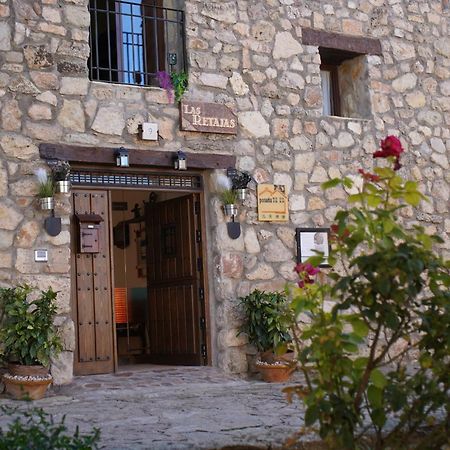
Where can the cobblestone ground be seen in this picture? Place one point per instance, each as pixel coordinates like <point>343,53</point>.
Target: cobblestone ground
<point>175,408</point>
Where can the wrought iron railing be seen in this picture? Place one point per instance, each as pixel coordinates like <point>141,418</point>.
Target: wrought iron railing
<point>132,40</point>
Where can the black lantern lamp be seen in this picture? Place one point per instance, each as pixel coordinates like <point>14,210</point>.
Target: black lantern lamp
<point>180,161</point>
<point>122,159</point>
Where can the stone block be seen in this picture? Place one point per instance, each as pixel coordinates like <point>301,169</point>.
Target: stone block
<point>254,124</point>
<point>11,116</point>
<point>10,218</point>
<point>62,368</point>
<point>5,36</point>
<point>27,234</point>
<point>37,56</point>
<point>262,272</point>
<point>231,338</point>
<point>45,80</point>
<point>38,111</point>
<point>109,120</point>
<point>74,86</point>
<point>275,251</point>
<point>232,265</point>
<point>72,115</point>
<point>286,46</point>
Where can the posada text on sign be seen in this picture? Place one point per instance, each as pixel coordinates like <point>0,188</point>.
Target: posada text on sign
<point>207,118</point>
<point>272,203</point>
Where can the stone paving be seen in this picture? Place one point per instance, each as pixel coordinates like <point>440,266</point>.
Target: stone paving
<point>175,408</point>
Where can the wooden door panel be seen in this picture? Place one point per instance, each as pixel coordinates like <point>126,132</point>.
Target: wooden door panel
<point>173,282</point>
<point>92,310</point>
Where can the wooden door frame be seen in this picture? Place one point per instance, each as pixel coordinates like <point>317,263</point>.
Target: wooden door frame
<point>204,275</point>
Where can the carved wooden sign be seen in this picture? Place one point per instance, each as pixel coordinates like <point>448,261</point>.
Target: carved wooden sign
<point>272,203</point>
<point>207,118</point>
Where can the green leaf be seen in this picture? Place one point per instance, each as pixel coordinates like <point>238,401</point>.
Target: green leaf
<point>373,200</point>
<point>375,396</point>
<point>360,328</point>
<point>331,183</point>
<point>411,186</point>
<point>311,415</point>
<point>412,198</point>
<point>355,198</point>
<point>378,417</point>
<point>360,363</point>
<point>378,379</point>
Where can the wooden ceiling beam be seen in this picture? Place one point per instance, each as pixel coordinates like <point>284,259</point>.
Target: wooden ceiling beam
<point>156,158</point>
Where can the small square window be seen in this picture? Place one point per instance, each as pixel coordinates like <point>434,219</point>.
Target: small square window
<point>344,78</point>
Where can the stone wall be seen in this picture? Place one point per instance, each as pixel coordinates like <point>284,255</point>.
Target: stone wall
<point>249,56</point>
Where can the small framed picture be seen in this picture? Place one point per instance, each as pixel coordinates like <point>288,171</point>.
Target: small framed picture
<point>310,241</point>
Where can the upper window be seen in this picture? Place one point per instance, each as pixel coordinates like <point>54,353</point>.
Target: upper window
<point>345,81</point>
<point>132,40</point>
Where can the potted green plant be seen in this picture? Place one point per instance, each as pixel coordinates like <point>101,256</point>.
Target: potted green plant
<point>229,200</point>
<point>268,331</point>
<point>46,189</point>
<point>28,339</point>
<point>61,174</point>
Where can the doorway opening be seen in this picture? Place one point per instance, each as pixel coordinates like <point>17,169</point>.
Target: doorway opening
<point>158,295</point>
<point>138,280</point>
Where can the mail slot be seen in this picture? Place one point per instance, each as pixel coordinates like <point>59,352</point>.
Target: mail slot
<point>89,225</point>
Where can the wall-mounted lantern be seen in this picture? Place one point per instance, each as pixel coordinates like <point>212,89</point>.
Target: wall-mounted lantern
<point>180,161</point>
<point>122,159</point>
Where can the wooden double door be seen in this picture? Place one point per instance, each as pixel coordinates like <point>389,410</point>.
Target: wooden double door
<point>175,285</point>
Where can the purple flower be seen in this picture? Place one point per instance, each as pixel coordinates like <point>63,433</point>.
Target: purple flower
<point>165,82</point>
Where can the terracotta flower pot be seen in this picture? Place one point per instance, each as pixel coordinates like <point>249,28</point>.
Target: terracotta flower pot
<point>25,387</point>
<point>275,373</point>
<point>27,382</point>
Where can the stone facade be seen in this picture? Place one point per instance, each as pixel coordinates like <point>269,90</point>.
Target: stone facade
<point>249,56</point>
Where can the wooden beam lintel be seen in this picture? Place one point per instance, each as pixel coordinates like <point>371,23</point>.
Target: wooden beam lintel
<point>106,156</point>
<point>356,44</point>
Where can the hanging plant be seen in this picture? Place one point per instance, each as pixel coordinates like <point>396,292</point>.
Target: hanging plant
<point>174,83</point>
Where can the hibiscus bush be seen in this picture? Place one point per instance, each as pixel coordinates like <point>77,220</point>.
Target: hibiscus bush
<point>373,332</point>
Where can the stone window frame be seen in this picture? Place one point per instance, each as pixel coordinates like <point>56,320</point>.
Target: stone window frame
<point>334,50</point>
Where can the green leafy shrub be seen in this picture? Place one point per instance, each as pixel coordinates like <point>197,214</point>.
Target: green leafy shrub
<point>264,324</point>
<point>391,308</point>
<point>36,430</point>
<point>27,333</point>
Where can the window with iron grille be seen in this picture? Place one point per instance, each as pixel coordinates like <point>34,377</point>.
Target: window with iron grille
<point>132,40</point>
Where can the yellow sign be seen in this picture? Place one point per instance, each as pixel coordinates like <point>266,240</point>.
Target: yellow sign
<point>272,203</point>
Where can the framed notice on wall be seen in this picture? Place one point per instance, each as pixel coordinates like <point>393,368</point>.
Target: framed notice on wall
<point>272,203</point>
<point>312,242</point>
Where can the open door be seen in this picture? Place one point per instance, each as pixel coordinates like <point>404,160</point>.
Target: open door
<point>174,277</point>
<point>91,292</point>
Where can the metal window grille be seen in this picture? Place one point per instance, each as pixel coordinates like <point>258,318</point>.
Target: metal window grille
<point>132,40</point>
<point>155,181</point>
